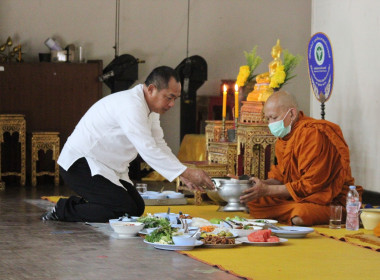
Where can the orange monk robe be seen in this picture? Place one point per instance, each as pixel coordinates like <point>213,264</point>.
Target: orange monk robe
<point>314,164</point>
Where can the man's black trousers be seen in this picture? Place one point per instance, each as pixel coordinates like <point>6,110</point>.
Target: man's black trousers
<point>99,199</point>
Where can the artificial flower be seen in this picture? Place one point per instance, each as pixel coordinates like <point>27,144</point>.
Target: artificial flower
<point>278,77</point>
<point>246,73</point>
<point>243,75</point>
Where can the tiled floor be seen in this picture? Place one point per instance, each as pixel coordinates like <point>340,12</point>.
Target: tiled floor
<point>32,249</point>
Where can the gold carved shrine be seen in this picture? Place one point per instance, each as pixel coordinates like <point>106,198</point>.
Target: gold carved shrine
<point>251,152</point>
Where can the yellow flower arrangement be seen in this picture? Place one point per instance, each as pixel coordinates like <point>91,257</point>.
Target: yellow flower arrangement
<point>284,72</point>
<point>246,72</point>
<point>278,77</point>
<point>243,75</point>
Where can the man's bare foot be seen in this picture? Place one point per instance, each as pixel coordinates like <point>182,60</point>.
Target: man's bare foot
<point>297,221</point>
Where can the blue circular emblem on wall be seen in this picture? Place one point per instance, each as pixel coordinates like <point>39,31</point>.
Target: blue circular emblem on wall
<point>321,66</point>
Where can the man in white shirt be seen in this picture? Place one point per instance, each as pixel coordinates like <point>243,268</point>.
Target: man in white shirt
<point>95,159</point>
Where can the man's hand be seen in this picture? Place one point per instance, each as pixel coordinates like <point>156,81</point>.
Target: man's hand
<point>259,189</point>
<point>196,179</point>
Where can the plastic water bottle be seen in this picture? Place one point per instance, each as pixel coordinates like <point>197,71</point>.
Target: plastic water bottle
<point>352,207</point>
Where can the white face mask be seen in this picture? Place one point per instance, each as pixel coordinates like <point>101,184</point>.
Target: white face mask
<point>278,128</point>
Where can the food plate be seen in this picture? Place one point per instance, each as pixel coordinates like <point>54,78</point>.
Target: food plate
<point>246,241</point>
<point>234,235</point>
<point>292,231</point>
<point>220,246</point>
<point>263,221</point>
<point>171,247</point>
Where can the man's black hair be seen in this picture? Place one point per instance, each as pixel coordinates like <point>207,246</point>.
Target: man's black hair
<point>160,77</point>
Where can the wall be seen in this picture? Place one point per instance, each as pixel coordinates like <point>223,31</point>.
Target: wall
<point>220,30</point>
<point>353,29</point>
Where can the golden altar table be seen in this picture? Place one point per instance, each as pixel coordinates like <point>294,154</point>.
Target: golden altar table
<point>252,154</point>
<point>255,144</point>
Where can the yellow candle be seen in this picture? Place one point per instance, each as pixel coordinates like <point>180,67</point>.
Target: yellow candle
<point>236,101</point>
<point>224,101</point>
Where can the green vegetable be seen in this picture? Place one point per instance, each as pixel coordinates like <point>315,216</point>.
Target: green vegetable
<point>163,233</point>
<point>236,218</point>
<point>215,221</point>
<point>152,222</point>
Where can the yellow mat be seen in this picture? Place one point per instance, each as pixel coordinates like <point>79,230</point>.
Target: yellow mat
<point>314,257</point>
<point>324,254</point>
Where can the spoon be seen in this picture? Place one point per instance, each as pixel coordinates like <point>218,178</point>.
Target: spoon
<point>186,230</point>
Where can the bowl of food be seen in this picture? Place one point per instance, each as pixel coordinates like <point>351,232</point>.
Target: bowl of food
<point>245,230</point>
<point>184,240</point>
<point>370,217</point>
<point>127,228</point>
<point>124,219</point>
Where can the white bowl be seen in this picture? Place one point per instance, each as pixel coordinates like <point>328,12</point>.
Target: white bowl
<point>370,217</point>
<point>245,232</point>
<point>184,240</point>
<point>127,228</point>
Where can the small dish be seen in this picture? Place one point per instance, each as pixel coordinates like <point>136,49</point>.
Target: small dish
<point>292,231</point>
<point>172,247</point>
<point>263,221</point>
<point>223,246</point>
<point>246,241</point>
<point>245,232</point>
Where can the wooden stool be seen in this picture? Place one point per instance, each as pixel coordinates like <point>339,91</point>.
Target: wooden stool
<point>45,141</point>
<point>12,123</point>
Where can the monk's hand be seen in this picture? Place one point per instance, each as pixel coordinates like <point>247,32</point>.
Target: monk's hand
<point>258,189</point>
<point>196,179</point>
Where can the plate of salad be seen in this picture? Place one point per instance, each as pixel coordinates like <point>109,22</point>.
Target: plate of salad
<point>161,238</point>
<point>172,247</point>
<point>151,221</point>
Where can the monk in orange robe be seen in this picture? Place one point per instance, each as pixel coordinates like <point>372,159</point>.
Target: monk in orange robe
<point>312,170</point>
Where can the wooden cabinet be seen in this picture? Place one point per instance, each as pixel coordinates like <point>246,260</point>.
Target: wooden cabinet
<point>52,96</point>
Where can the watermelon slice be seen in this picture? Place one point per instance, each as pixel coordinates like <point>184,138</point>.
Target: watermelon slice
<point>263,235</point>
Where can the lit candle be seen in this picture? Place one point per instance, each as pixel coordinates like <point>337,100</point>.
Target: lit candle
<point>224,101</point>
<point>236,101</point>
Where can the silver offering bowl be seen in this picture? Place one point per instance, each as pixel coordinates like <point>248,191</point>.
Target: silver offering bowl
<point>230,190</point>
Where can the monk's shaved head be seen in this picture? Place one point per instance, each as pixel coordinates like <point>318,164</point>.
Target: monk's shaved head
<point>279,105</point>
<point>283,100</point>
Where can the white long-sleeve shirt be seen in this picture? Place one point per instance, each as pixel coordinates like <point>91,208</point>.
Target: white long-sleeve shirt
<point>111,134</point>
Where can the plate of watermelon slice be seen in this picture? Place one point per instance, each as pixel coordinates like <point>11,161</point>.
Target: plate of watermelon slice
<point>245,240</point>
<point>262,238</point>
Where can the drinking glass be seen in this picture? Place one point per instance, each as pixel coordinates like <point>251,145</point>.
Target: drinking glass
<point>335,216</point>
<point>141,188</point>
